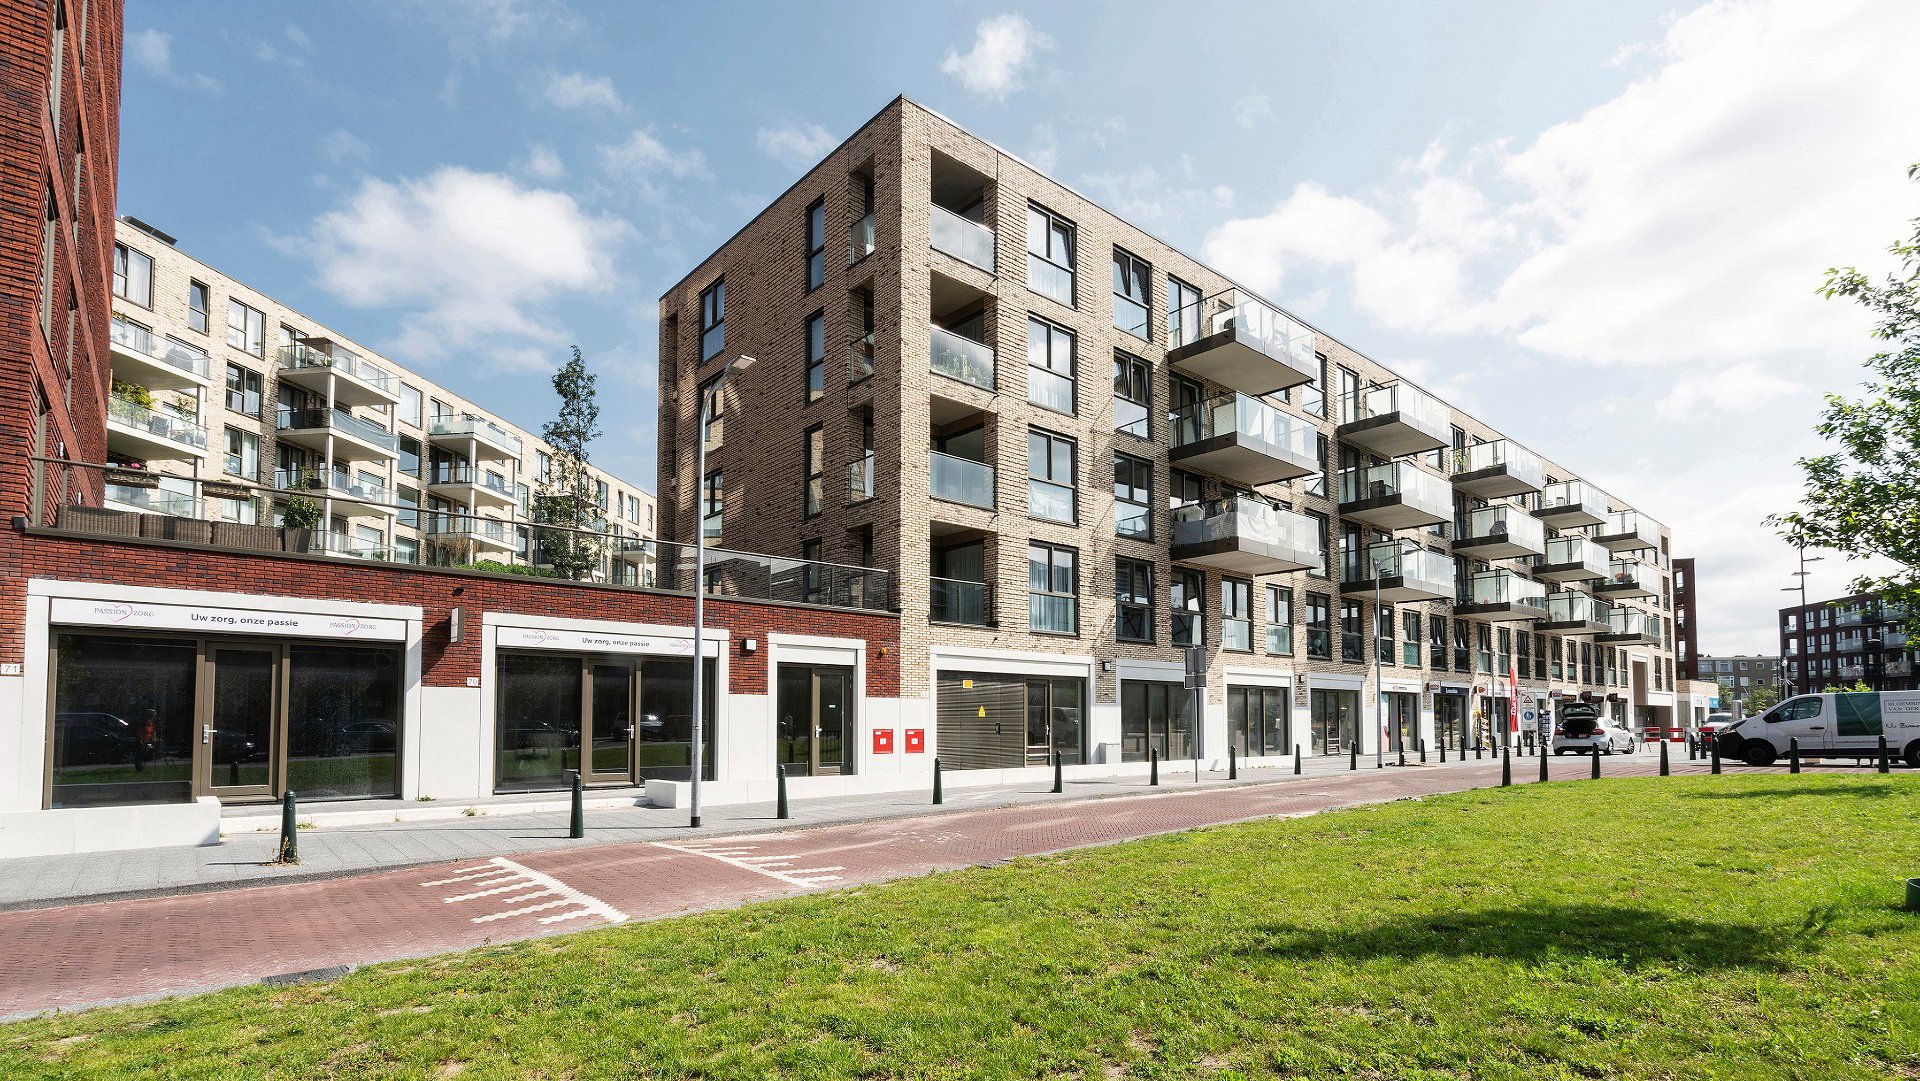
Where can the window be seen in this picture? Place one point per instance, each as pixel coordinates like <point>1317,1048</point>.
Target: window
<point>860,350</point>
<point>1189,608</point>
<point>1437,644</point>
<point>1352,634</point>
<point>1050,494</point>
<point>1462,646</point>
<point>1050,260</point>
<point>713,320</point>
<point>409,500</point>
<point>1049,366</point>
<point>1053,589</point>
<point>1319,482</point>
<point>410,404</point>
<point>1133,593</point>
<point>243,390</point>
<point>812,582</point>
<point>1183,313</point>
<point>714,501</point>
<point>816,356</point>
<point>816,245</point>
<point>1320,538</point>
<point>1319,628</point>
<point>815,449</point>
<point>1236,615</point>
<point>601,496</point>
<point>243,455</point>
<point>246,328</point>
<point>1132,290</point>
<point>1183,489</point>
<point>132,276</point>
<point>1483,656</point>
<point>1383,633</point>
<point>1313,396</point>
<point>409,456</point>
<point>197,306</point>
<point>1280,621</point>
<point>1132,497</point>
<point>1410,642</point>
<point>1132,396</point>
<point>710,404</point>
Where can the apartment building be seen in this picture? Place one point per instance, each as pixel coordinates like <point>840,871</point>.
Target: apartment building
<point>1860,638</point>
<point>1686,620</point>
<point>227,407</point>
<point>1087,452</point>
<point>1742,673</point>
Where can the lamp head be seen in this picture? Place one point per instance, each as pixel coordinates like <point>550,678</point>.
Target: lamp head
<point>739,364</point>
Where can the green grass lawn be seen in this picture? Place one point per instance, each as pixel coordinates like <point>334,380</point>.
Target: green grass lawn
<point>1732,926</point>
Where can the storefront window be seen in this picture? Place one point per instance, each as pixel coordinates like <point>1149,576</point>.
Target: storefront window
<point>538,722</point>
<point>123,714</point>
<point>343,721</point>
<point>1155,716</point>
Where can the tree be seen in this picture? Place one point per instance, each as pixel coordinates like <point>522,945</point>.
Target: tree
<point>1762,699</point>
<point>1863,499</point>
<point>566,498</point>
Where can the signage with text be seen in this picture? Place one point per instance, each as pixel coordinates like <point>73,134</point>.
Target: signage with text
<point>207,620</point>
<point>598,641</point>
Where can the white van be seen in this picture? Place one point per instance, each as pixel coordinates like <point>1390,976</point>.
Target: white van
<point>1842,724</point>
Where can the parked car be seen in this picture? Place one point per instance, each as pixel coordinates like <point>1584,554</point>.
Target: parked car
<point>95,739</point>
<point>1847,724</point>
<point>1587,734</point>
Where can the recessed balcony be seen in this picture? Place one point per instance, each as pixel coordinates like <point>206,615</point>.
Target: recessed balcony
<point>470,485</point>
<point>1626,578</point>
<point>954,600</point>
<point>143,357</point>
<point>480,532</point>
<point>1571,612</point>
<point>1627,531</point>
<point>957,235</point>
<point>140,431</point>
<point>1242,343</point>
<point>330,372</point>
<point>142,499</point>
<point>373,497</point>
<point>1246,536</point>
<point>1501,596</point>
<point>961,358</point>
<point>1394,421</point>
<point>1630,626</point>
<point>1242,439</point>
<point>1502,532</point>
<point>353,439</point>
<point>1573,559</point>
<point>474,437</point>
<point>1497,470</point>
<point>1398,495</point>
<point>1570,503</point>
<point>952,479</point>
<point>1402,570</point>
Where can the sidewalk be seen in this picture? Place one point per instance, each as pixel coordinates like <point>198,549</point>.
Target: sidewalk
<point>331,852</point>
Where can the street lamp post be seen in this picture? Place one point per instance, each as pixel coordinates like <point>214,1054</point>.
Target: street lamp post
<point>1379,689</point>
<point>698,733</point>
<point>1800,616</point>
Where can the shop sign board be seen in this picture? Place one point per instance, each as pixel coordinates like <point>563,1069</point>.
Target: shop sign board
<point>597,642</point>
<point>141,615</point>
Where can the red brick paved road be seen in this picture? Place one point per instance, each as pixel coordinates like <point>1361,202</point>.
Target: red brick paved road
<point>80,955</point>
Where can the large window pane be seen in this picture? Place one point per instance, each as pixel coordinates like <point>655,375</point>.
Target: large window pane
<point>343,721</point>
<point>538,722</point>
<point>123,717</point>
<point>666,718</point>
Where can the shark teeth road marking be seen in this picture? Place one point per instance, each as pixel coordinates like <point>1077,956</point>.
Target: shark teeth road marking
<point>735,855</point>
<point>503,877</point>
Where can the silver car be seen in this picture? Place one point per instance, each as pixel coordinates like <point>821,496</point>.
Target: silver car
<point>1591,735</point>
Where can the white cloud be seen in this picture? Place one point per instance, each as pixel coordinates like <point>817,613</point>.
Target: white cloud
<point>1736,389</point>
<point>642,154</point>
<point>543,164</point>
<point>1159,202</point>
<point>468,258</point>
<point>1254,109</point>
<point>342,146</point>
<point>470,24</point>
<point>576,90</point>
<point>795,144</point>
<point>1004,46</point>
<point>1044,152</point>
<point>153,51</point>
<point>291,50</point>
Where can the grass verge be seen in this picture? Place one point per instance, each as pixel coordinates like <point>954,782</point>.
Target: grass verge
<point>1725,927</point>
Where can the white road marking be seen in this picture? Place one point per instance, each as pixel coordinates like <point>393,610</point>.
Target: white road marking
<point>519,883</point>
<point>734,856</point>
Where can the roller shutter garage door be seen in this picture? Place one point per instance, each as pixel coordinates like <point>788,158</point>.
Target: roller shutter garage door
<point>982,720</point>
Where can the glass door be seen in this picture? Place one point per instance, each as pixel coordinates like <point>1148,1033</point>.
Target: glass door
<point>238,738</point>
<point>815,705</point>
<point>610,731</point>
<point>833,720</point>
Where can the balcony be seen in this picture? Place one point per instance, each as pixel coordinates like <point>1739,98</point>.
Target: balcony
<point>143,432</point>
<point>468,484</point>
<point>343,378</point>
<point>1402,570</point>
<point>1627,531</point>
<point>1576,613</point>
<point>1502,532</point>
<point>480,532</point>
<point>352,439</point>
<point>1242,343</point>
<point>1629,626</point>
<point>958,480</point>
<point>1497,470</point>
<point>330,484</point>
<point>1246,536</point>
<point>1394,421</point>
<point>953,600</point>
<point>144,500</point>
<point>962,358</point>
<point>154,362</point>
<point>1573,559</point>
<point>1398,495</point>
<point>1626,578</point>
<point>475,437</point>
<point>1242,439</point>
<point>966,240</point>
<point>1501,596</point>
<point>1569,503</point>
<point>341,544</point>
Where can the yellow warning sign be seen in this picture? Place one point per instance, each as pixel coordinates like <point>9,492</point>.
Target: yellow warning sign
<point>967,684</point>
<point>983,711</point>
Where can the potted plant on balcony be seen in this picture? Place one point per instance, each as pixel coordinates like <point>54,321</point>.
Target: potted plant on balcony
<point>300,517</point>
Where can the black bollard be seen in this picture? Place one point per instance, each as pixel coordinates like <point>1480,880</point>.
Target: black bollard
<point>1443,752</point>
<point>1403,754</point>
<point>1714,753</point>
<point>1059,780</point>
<point>1423,752</point>
<point>289,831</point>
<point>1885,766</point>
<point>1596,763</point>
<point>1153,767</point>
<point>1793,754</point>
<point>780,809</point>
<point>1506,768</point>
<point>1296,760</point>
<point>938,799</point>
<point>1233,764</point>
<point>1664,771</point>
<point>577,823</point>
<point>1543,764</point>
<point>1353,757</point>
<point>1476,750</point>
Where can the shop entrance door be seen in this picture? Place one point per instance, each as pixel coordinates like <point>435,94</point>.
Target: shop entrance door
<point>1054,720</point>
<point>609,734</point>
<point>1450,720</point>
<point>816,722</point>
<point>240,725</point>
<point>1335,720</point>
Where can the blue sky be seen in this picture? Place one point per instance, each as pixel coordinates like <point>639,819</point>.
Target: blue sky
<point>1598,226</point>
